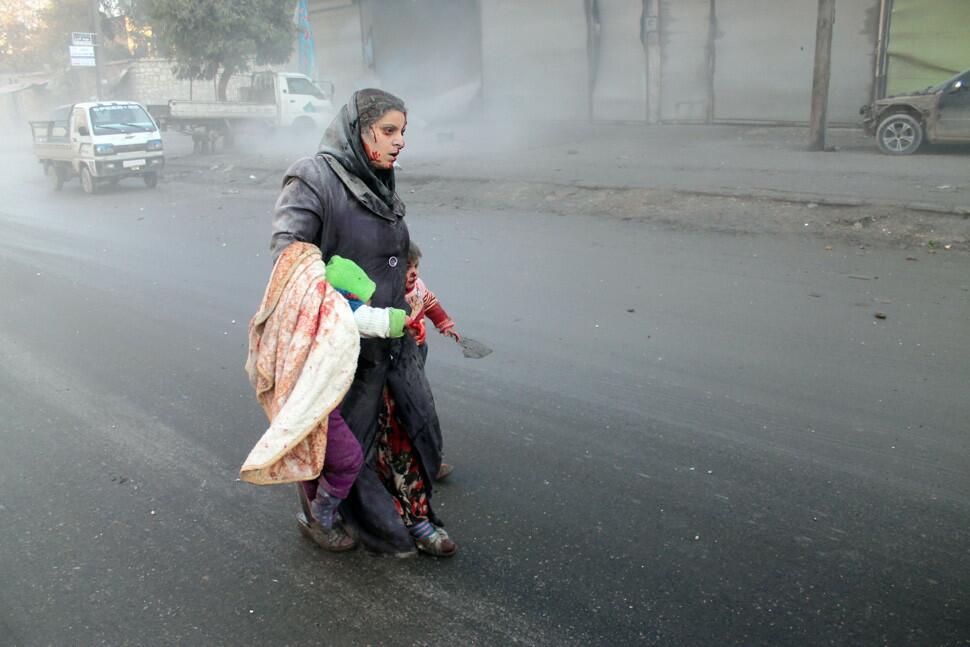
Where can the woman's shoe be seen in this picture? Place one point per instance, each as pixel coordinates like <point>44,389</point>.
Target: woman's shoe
<point>333,539</point>
<point>444,471</point>
<point>438,544</point>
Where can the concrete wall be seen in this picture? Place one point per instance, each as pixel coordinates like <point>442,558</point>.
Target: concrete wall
<point>853,58</point>
<point>151,81</point>
<point>753,62</point>
<point>340,47</point>
<point>427,52</point>
<point>534,59</point>
<point>764,57</point>
<point>620,90</point>
<point>764,51</point>
<point>685,33</point>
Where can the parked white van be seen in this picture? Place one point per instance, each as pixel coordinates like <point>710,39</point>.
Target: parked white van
<point>101,142</point>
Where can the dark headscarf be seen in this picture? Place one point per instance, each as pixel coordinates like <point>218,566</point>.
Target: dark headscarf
<point>342,139</point>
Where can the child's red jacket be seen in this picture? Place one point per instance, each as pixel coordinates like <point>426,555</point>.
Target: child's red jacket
<point>423,304</point>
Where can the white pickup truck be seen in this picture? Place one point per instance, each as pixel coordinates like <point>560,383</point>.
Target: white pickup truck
<point>272,100</point>
<point>101,142</point>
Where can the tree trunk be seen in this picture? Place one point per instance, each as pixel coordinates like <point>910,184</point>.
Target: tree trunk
<point>224,83</point>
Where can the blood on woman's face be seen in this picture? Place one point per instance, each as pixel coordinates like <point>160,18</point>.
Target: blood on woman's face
<point>384,139</point>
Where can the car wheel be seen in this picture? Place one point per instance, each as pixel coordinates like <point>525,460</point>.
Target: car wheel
<point>899,134</point>
<point>55,174</point>
<point>88,182</point>
<point>151,180</point>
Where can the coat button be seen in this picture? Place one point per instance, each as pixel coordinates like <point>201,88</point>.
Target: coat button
<point>392,261</point>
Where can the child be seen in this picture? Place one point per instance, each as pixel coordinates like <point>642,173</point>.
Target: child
<point>343,459</point>
<point>424,303</point>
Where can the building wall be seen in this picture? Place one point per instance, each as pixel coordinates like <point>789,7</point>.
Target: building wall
<point>340,46</point>
<point>686,45</point>
<point>720,60</point>
<point>151,81</point>
<point>763,67</point>
<point>427,52</point>
<point>620,88</point>
<point>534,59</point>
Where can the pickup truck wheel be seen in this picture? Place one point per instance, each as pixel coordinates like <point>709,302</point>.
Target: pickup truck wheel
<point>55,174</point>
<point>88,182</point>
<point>151,180</point>
<point>899,134</point>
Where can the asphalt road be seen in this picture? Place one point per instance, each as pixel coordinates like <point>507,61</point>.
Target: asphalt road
<point>680,439</point>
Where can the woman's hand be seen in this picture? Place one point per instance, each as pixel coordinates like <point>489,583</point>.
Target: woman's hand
<point>451,332</point>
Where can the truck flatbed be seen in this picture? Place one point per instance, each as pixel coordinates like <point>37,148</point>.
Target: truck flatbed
<point>220,110</point>
<point>51,140</point>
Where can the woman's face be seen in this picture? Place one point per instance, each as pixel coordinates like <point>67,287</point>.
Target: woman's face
<point>384,139</point>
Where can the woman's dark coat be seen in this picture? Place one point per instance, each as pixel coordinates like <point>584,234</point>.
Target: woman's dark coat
<point>323,203</point>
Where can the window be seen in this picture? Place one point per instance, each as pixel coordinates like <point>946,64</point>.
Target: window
<point>80,120</point>
<point>120,118</point>
<point>297,85</point>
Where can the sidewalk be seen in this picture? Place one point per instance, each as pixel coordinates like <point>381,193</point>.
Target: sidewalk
<point>763,162</point>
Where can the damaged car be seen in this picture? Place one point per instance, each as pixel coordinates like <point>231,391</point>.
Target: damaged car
<point>938,114</point>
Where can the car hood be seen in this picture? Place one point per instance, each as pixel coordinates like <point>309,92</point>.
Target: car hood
<point>917,100</point>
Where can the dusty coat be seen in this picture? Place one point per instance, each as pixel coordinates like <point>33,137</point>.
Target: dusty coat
<point>323,204</point>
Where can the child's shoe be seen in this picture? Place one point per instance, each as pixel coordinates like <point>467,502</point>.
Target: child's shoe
<point>444,471</point>
<point>333,539</point>
<point>433,540</point>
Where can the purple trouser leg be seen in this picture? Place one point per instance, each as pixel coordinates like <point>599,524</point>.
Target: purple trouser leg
<point>342,462</point>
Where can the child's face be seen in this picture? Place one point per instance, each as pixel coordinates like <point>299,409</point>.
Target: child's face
<point>411,276</point>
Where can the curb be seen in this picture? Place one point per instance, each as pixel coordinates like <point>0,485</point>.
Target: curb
<point>751,194</point>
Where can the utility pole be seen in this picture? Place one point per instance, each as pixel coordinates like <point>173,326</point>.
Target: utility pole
<point>820,77</point>
<point>96,19</point>
<point>652,44</point>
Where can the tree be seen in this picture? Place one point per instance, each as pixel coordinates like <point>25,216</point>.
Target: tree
<point>207,38</point>
<point>18,32</point>
<point>37,34</point>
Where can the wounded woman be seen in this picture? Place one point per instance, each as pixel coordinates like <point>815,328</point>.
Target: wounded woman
<point>343,200</point>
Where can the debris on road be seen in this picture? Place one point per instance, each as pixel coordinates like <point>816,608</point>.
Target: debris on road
<point>880,315</point>
<point>474,349</point>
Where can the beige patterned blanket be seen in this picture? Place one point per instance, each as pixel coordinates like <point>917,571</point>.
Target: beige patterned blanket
<point>303,347</point>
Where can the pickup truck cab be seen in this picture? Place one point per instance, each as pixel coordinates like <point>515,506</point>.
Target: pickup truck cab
<point>271,100</point>
<point>300,102</point>
<point>938,114</point>
<point>100,142</point>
